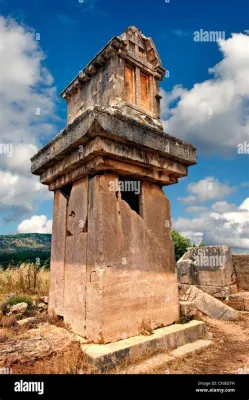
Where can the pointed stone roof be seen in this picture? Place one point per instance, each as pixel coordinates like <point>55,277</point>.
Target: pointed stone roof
<point>121,45</point>
<point>132,33</point>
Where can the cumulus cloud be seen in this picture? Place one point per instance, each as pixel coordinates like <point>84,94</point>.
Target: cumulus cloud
<point>36,224</point>
<point>206,189</point>
<point>195,237</point>
<point>223,224</point>
<point>223,206</point>
<point>195,209</point>
<point>213,115</point>
<point>27,102</point>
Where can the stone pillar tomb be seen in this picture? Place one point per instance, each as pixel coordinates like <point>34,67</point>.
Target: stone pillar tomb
<point>113,268</point>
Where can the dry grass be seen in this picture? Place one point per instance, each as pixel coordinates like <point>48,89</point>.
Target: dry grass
<point>33,281</point>
<point>7,334</point>
<point>70,361</point>
<point>28,279</point>
<point>145,328</point>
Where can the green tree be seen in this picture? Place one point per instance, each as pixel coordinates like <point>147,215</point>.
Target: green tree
<point>180,243</point>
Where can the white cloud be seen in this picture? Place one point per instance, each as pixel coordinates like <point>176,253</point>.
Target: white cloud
<point>223,206</point>
<point>36,224</point>
<point>223,224</point>
<point>21,191</point>
<point>195,237</point>
<point>27,104</point>
<point>195,209</point>
<point>214,114</point>
<point>206,189</point>
<point>20,159</point>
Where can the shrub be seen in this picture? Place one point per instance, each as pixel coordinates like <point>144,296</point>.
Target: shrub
<point>13,300</point>
<point>181,244</point>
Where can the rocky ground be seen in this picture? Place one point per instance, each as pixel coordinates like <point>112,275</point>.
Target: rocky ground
<point>33,342</point>
<point>45,346</point>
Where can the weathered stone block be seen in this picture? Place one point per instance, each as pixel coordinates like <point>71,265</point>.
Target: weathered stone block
<point>207,266</point>
<point>57,264</point>
<point>77,207</point>
<point>184,272</point>
<point>210,306</point>
<point>241,265</point>
<point>75,282</point>
<point>217,291</point>
<point>188,309</point>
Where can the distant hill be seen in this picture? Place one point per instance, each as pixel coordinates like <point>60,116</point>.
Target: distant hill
<point>24,247</point>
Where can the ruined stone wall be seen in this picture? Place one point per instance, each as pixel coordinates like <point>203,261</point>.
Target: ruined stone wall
<point>209,268</point>
<point>214,270</point>
<point>241,265</point>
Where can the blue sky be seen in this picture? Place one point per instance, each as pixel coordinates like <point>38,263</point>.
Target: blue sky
<point>71,33</point>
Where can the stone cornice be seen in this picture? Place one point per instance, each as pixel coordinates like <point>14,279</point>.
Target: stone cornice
<point>111,123</point>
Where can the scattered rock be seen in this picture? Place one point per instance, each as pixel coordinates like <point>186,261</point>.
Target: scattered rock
<point>26,321</point>
<point>239,301</point>
<point>188,309</point>
<point>7,322</point>
<point>19,308</point>
<point>42,306</point>
<point>210,306</point>
<point>44,299</point>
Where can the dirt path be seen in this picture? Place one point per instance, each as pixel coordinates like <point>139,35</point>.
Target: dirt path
<point>228,354</point>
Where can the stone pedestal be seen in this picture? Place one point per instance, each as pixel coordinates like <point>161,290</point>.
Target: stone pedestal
<point>119,266</point>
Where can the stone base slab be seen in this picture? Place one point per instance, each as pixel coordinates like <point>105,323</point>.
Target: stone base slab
<point>162,359</point>
<point>108,356</point>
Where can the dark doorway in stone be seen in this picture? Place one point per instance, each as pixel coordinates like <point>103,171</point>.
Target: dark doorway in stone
<point>66,190</point>
<point>130,192</point>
